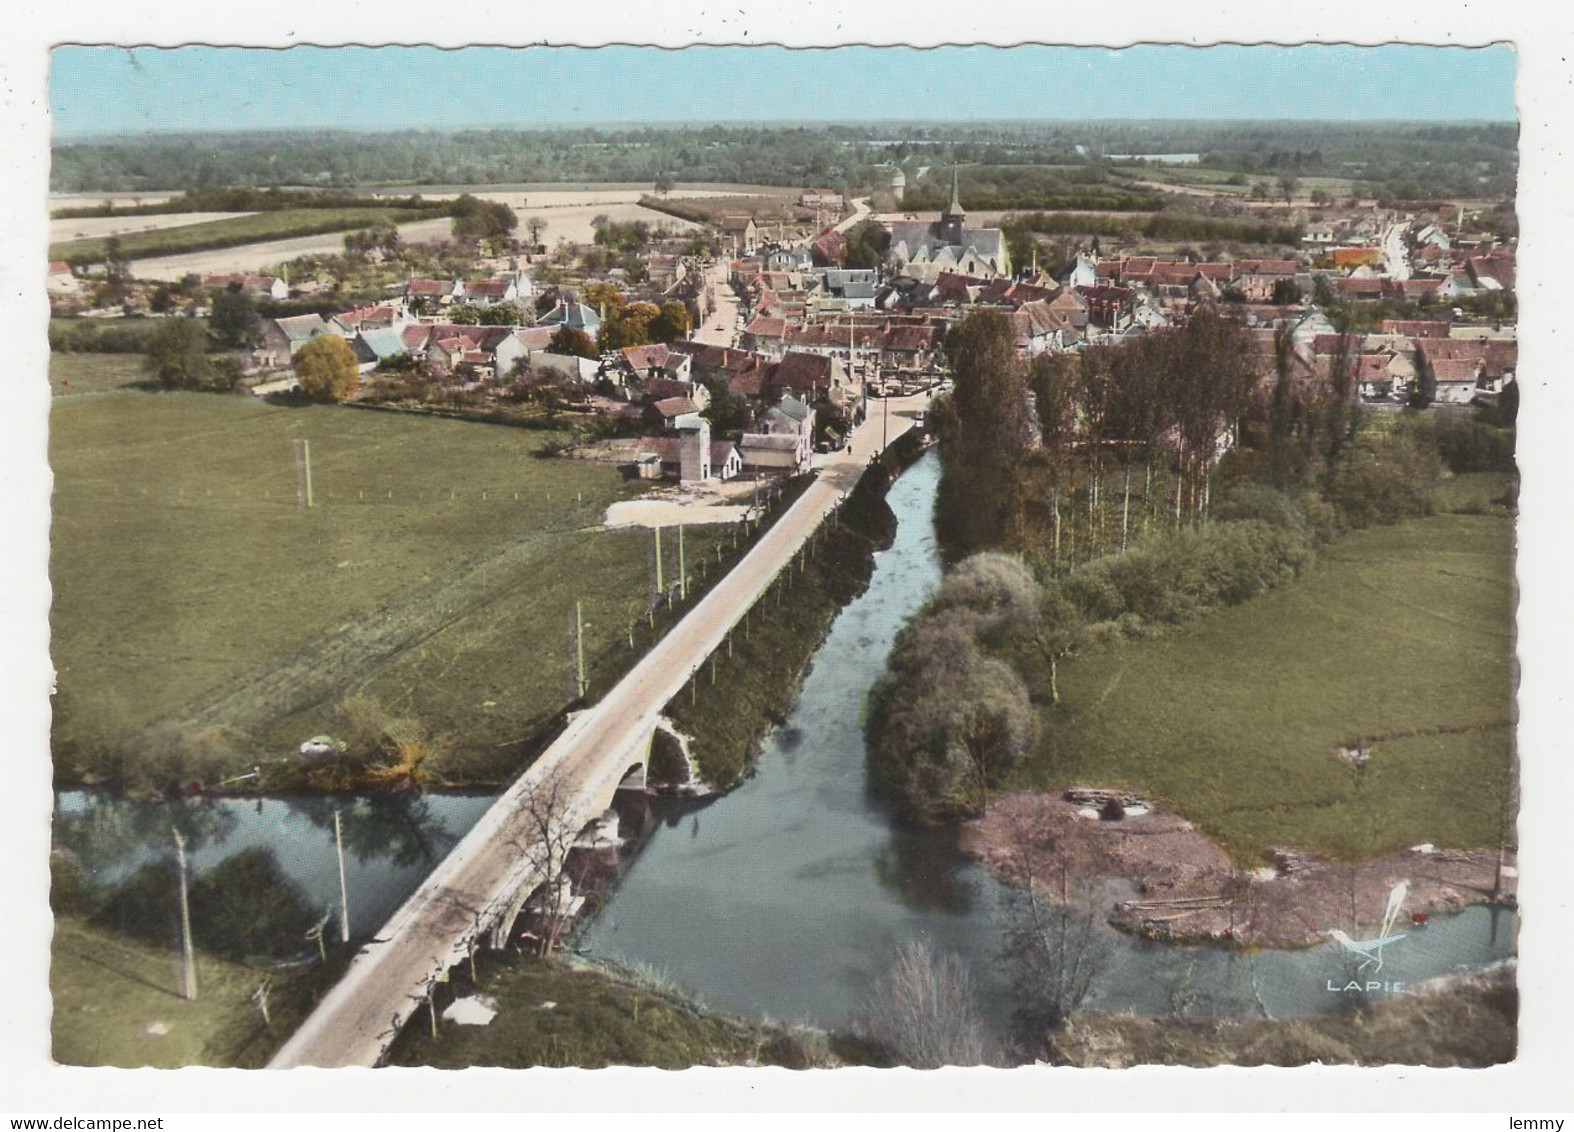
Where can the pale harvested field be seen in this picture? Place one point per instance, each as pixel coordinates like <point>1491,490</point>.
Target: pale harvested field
<point>563,222</point>
<point>256,257</point>
<point>92,227</point>
<point>519,199</point>
<point>572,223</point>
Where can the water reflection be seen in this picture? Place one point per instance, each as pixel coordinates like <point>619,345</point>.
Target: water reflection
<point>926,872</point>
<point>391,842</point>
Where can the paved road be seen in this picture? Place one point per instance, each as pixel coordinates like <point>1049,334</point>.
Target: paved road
<point>1396,260</point>
<point>721,325</point>
<point>860,210</point>
<point>431,932</point>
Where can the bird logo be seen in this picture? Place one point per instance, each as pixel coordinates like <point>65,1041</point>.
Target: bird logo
<point>1371,950</point>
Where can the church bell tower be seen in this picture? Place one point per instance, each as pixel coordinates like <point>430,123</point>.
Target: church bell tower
<point>953,218</point>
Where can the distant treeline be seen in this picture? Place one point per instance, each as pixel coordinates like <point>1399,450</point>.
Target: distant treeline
<point>1410,160</point>
<point>1161,226</point>
<point>1011,186</point>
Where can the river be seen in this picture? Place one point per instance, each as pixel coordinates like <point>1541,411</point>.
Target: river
<point>787,897</point>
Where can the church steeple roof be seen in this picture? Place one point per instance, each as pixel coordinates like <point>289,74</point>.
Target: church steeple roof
<point>955,207</point>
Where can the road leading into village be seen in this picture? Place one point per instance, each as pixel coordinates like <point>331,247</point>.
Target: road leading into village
<point>721,324</point>
<point>1396,260</point>
<point>440,923</point>
<point>860,211</point>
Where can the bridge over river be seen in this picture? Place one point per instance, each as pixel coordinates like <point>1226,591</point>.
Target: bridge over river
<point>472,897</point>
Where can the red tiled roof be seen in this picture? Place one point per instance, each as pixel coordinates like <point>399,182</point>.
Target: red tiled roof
<point>488,288</point>
<point>648,357</point>
<point>764,326</point>
<point>803,371</point>
<point>1266,267</point>
<point>1414,327</point>
<point>1498,265</point>
<point>1494,357</point>
<point>670,407</point>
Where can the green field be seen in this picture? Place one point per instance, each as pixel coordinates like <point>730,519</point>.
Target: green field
<point>109,988</point>
<point>72,375</point>
<point>1400,637</point>
<point>438,573</point>
<point>232,233</point>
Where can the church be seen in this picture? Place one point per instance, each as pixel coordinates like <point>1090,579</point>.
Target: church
<point>923,250</point>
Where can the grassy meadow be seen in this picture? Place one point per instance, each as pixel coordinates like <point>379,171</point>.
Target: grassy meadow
<point>109,988</point>
<point>231,233</point>
<point>1397,637</point>
<point>437,572</point>
<point>72,375</point>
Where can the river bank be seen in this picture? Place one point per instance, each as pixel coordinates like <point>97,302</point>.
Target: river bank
<point>1188,890</point>
<point>1468,1020</point>
<point>751,686</point>
<point>564,1011</point>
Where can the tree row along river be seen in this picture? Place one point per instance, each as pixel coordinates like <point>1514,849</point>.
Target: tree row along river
<point>789,896</point>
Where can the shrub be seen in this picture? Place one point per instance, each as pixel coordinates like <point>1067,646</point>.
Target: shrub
<point>245,906</point>
<point>1465,444</point>
<point>71,893</point>
<point>945,723</point>
<point>922,1010</point>
<point>168,758</point>
<point>146,904</point>
<point>1384,480</point>
<point>998,588</point>
<point>326,369</point>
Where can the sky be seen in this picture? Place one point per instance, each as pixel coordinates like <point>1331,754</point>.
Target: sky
<point>116,90</point>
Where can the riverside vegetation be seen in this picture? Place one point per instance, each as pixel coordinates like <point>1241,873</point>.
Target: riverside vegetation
<point>1034,667</point>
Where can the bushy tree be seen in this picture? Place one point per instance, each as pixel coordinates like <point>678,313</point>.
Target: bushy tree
<point>1383,480</point>
<point>234,319</point>
<point>946,723</point>
<point>326,369</point>
<point>984,431</point>
<point>627,326</point>
<point>476,219</point>
<point>502,314</point>
<point>246,906</point>
<point>177,354</point>
<point>671,324</point>
<point>572,341</point>
<point>999,590</point>
<point>868,244</point>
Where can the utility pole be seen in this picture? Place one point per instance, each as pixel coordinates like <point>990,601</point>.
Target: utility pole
<point>302,474</point>
<point>344,892</point>
<point>660,589</point>
<point>683,569</point>
<point>188,954</point>
<point>579,645</point>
